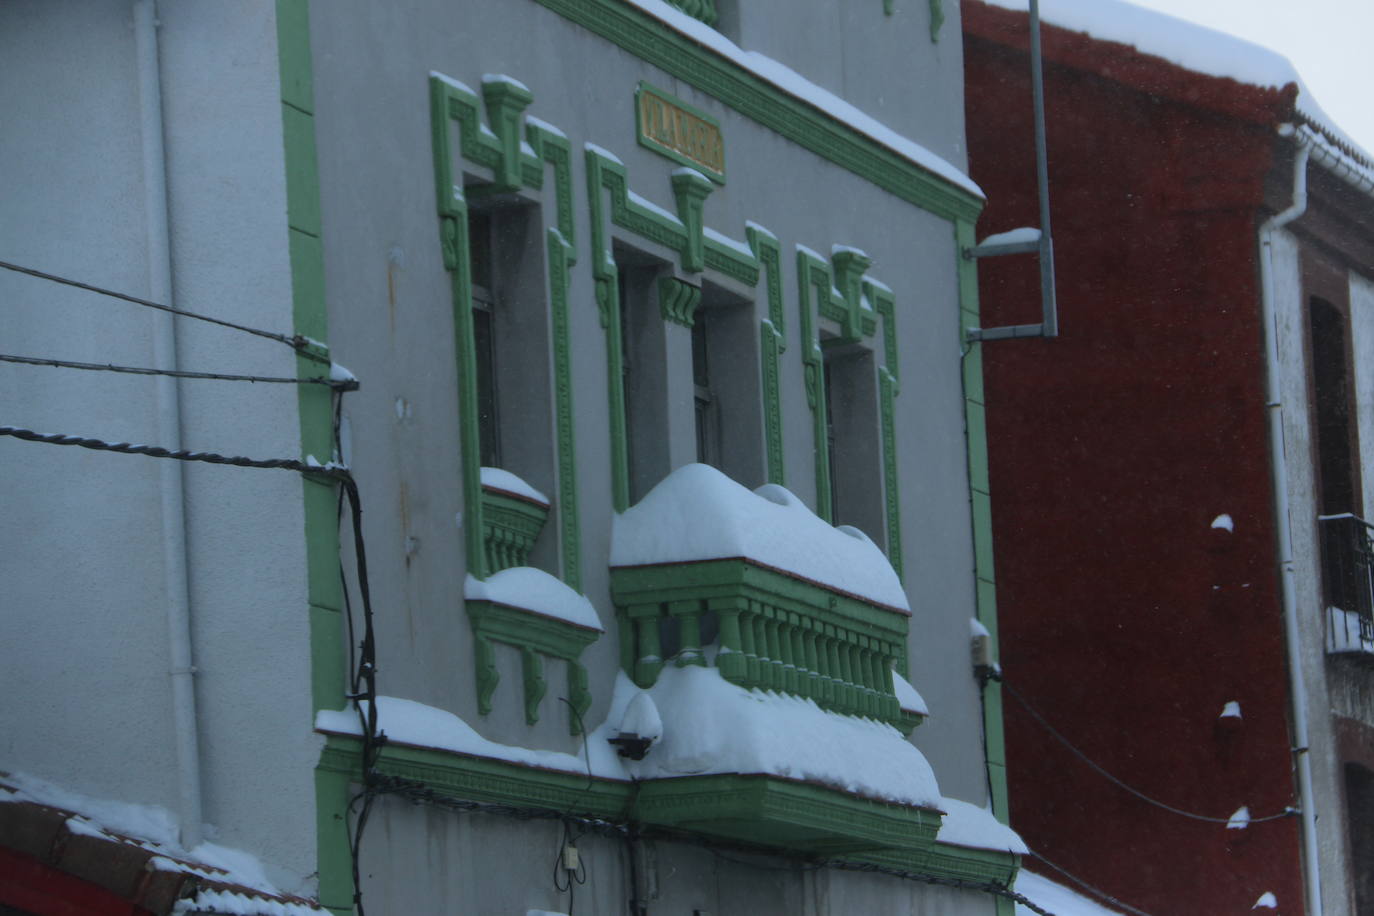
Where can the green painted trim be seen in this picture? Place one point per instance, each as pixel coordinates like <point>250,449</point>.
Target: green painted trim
<point>772,342</point>
<point>510,526</point>
<point>937,19</point>
<point>685,234</point>
<point>769,811</point>
<point>814,273</point>
<point>648,141</point>
<point>705,10</point>
<point>759,100</point>
<point>320,507</point>
<point>777,632</point>
<point>885,305</point>
<point>678,301</point>
<point>514,166</point>
<point>942,860</point>
<point>980,508</point>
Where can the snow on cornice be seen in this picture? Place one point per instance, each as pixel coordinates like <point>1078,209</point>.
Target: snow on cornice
<point>1196,48</point>
<point>798,86</point>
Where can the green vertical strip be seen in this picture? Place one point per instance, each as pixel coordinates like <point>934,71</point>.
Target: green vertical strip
<point>328,676</point>
<point>608,304</point>
<point>885,304</point>
<point>813,272</point>
<point>980,505</point>
<point>772,342</point>
<point>455,236</point>
<point>560,258</point>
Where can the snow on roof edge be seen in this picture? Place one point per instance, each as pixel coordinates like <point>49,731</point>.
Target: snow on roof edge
<point>799,87</point>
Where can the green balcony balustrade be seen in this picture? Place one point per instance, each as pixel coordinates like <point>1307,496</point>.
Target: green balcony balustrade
<point>705,10</point>
<point>512,517</point>
<point>771,630</point>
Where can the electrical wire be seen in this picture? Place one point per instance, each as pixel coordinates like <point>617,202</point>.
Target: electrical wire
<point>1097,892</point>
<point>155,451</point>
<point>349,384</point>
<point>296,342</point>
<point>1287,812</point>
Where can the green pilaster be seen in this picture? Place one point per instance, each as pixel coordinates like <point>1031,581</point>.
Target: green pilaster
<point>772,342</point>
<point>980,507</point>
<point>327,674</point>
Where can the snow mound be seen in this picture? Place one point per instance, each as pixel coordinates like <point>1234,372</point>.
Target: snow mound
<point>534,590</point>
<point>966,824</point>
<point>697,513</point>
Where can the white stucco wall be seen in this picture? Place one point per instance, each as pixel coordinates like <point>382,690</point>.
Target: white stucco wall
<point>86,650</point>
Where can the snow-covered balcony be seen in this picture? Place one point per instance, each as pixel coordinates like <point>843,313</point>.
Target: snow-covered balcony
<point>768,644</point>
<point>513,514</point>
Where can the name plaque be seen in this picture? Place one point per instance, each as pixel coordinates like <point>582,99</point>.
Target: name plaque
<point>680,132</point>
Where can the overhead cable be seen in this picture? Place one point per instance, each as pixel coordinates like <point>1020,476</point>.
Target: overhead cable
<point>1287,812</point>
<point>297,342</point>
<point>345,384</point>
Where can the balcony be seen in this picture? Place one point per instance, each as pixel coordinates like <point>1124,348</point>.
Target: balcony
<point>513,514</point>
<point>770,643</point>
<point>1348,584</point>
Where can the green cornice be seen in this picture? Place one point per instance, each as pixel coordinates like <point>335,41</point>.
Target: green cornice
<point>900,837</point>
<point>654,42</point>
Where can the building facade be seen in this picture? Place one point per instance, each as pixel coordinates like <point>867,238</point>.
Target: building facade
<point>674,513</point>
<point>1178,475</point>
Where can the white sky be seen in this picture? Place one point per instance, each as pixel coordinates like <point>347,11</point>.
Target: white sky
<point>1330,42</point>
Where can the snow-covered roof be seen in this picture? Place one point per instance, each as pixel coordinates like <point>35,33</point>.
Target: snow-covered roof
<point>1196,48</point>
<point>534,590</point>
<point>697,513</point>
<point>207,879</point>
<point>800,87</point>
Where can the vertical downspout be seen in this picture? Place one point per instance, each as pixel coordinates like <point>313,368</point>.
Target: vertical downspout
<point>175,582</point>
<point>1279,467</point>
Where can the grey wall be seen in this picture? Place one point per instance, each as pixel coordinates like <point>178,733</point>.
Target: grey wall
<point>85,655</point>
<point>391,323</point>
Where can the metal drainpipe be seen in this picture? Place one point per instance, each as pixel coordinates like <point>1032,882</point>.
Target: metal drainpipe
<point>1279,465</point>
<point>174,559</point>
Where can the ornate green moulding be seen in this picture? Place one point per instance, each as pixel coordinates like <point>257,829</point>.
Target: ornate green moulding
<point>705,10</point>
<point>511,523</point>
<point>776,631</point>
<point>769,811</point>
<point>535,635</point>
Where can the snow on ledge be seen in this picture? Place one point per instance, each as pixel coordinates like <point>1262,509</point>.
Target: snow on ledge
<point>506,482</point>
<point>800,87</point>
<point>969,825</point>
<point>908,700</point>
<point>1055,897</point>
<point>713,726</point>
<point>534,590</point>
<point>697,513</point>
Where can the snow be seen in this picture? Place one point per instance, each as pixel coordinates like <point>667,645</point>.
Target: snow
<point>1055,897</point>
<point>228,903</point>
<point>1267,900</point>
<point>697,513</point>
<point>976,627</point>
<point>339,373</point>
<point>1224,522</point>
<point>534,590</point>
<point>503,78</point>
<point>499,479</point>
<point>695,175</point>
<point>1013,237</point>
<point>451,82</point>
<point>602,152</point>
<point>970,825</point>
<point>541,124</point>
<point>642,719</point>
<point>907,697</point>
<point>647,204</point>
<point>156,829</point>
<point>543,913</point>
<point>1230,711</point>
<point>1240,819</point>
<point>1193,47</point>
<point>796,85</point>
<point>709,726</point>
<point>728,242</point>
<point>760,229</point>
<point>714,726</point>
<point>848,249</point>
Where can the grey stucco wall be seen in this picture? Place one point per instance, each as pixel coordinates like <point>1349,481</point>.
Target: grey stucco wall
<point>391,322</point>
<point>86,650</point>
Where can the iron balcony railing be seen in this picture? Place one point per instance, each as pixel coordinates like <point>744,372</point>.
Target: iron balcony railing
<point>1348,581</point>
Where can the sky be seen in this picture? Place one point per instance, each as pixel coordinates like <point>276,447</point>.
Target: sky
<point>1328,41</point>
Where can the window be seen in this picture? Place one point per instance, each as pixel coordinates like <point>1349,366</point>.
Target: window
<point>852,434</point>
<point>1359,820</point>
<point>1331,414</point>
